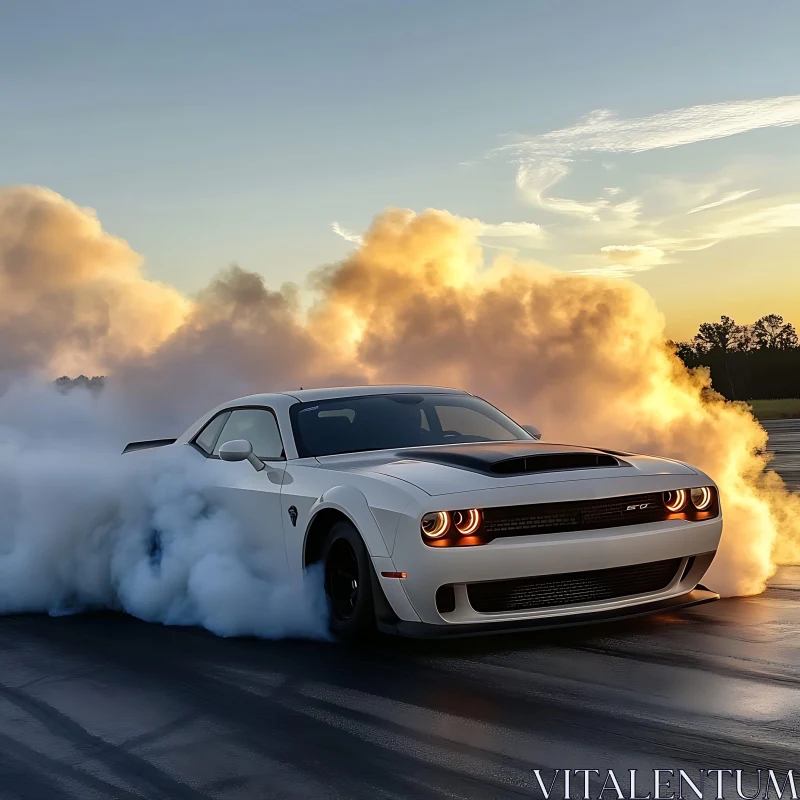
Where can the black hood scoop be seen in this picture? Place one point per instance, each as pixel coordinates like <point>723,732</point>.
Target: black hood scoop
<point>513,458</point>
<point>554,462</point>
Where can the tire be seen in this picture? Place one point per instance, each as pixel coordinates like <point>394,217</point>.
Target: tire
<point>346,561</point>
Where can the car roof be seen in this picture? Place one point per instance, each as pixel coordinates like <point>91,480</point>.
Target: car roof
<point>282,401</point>
<point>333,393</point>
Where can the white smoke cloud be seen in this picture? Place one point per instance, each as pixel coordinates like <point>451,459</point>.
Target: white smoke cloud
<point>83,528</point>
<point>582,357</point>
<point>72,297</point>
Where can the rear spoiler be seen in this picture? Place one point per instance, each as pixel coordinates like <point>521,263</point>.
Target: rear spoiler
<point>132,446</point>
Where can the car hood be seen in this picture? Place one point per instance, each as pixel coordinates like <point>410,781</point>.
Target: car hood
<point>446,469</point>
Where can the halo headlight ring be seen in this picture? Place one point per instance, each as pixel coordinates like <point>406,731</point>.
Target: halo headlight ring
<point>452,527</point>
<point>676,500</point>
<point>436,524</point>
<point>468,521</point>
<point>702,498</point>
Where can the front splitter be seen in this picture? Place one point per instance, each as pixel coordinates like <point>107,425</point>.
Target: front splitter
<point>421,630</point>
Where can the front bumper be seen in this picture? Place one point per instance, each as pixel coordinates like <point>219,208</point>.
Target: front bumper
<point>428,568</point>
<point>408,606</point>
<point>419,630</point>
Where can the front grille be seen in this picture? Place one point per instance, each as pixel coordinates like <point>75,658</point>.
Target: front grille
<point>547,591</point>
<point>576,515</point>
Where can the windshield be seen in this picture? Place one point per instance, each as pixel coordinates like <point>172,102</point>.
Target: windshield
<point>391,421</point>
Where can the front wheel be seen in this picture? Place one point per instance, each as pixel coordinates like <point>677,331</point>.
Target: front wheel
<point>348,583</point>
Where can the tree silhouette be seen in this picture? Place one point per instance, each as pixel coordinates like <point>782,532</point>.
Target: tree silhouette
<point>724,335</point>
<point>773,333</point>
<point>761,360</point>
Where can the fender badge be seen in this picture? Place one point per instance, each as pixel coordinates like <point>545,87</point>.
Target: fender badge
<point>293,515</point>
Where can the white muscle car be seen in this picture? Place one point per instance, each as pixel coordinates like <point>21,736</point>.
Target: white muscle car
<point>436,514</point>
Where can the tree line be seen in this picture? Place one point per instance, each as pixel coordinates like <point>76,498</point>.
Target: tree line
<point>747,362</point>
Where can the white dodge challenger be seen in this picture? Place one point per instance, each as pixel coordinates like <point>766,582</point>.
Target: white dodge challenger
<point>435,514</point>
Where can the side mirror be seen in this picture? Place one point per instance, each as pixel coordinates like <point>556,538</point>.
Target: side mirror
<point>533,431</point>
<point>240,450</point>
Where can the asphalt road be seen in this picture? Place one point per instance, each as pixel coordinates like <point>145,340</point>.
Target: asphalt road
<point>107,706</point>
<point>784,443</point>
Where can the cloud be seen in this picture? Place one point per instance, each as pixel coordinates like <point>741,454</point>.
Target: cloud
<point>615,271</point>
<point>531,232</point>
<point>545,159</point>
<point>731,197</point>
<point>534,181</point>
<point>603,131</point>
<point>624,260</point>
<point>514,230</point>
<point>756,223</point>
<point>347,235</point>
<point>634,254</point>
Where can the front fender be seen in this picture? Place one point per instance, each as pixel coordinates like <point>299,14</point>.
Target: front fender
<point>353,504</point>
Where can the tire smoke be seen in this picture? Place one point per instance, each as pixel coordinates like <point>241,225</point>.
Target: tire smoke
<point>584,358</point>
<point>83,528</point>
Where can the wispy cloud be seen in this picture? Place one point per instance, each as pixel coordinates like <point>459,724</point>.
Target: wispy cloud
<point>525,233</point>
<point>623,260</point>
<point>755,223</point>
<point>347,235</point>
<point>545,159</point>
<point>638,254</point>
<point>603,132</point>
<point>731,197</point>
<point>611,270</point>
<point>514,230</point>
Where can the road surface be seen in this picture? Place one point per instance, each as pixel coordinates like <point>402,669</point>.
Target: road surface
<point>103,706</point>
<point>784,443</point>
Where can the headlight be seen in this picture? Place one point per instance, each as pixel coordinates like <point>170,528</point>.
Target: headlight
<point>460,528</point>
<point>435,524</point>
<point>676,500</point>
<point>467,522</point>
<point>702,498</point>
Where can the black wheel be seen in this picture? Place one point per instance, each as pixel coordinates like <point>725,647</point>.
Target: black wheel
<point>348,583</point>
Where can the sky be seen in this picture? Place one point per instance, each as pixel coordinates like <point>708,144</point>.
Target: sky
<point>653,142</point>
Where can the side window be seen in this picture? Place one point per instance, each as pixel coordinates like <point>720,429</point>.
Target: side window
<point>469,422</point>
<point>258,426</point>
<point>208,436</point>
